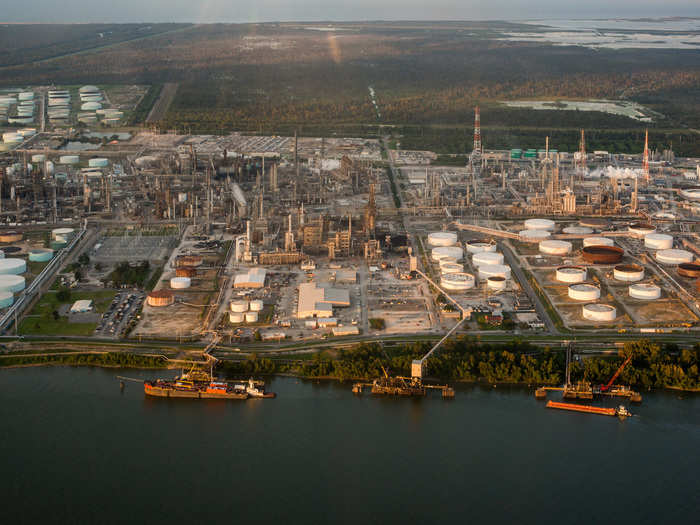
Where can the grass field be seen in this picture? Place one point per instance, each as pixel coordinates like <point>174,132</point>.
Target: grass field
<point>40,321</point>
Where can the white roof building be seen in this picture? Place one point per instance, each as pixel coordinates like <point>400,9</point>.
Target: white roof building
<point>319,302</point>
<point>81,306</point>
<point>253,278</point>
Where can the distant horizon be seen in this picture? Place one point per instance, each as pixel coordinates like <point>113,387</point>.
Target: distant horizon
<point>335,11</point>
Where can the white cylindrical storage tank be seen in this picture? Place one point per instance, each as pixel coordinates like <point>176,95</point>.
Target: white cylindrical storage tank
<point>89,88</point>
<point>12,266</point>
<point>26,95</point>
<point>599,312</point>
<point>577,230</point>
<point>645,291</point>
<point>69,159</point>
<point>494,270</point>
<point>40,255</point>
<point>180,283</point>
<point>447,260</point>
<point>598,241</point>
<point>571,274</point>
<point>451,268</point>
<point>584,292</point>
<point>90,106</point>
<point>658,241</point>
<point>446,251</point>
<point>256,305</point>
<point>482,258</point>
<point>457,281</point>
<point>98,163</point>
<point>539,224</point>
<point>12,137</point>
<point>239,306</point>
<point>62,234</point>
<point>480,246</point>
<point>640,229</point>
<point>12,283</point>
<point>39,157</point>
<point>533,235</point>
<point>496,283</point>
<point>674,256</point>
<point>6,299</point>
<point>236,317</point>
<point>442,239</point>
<point>251,317</point>
<point>182,197</point>
<point>628,272</point>
<point>555,247</point>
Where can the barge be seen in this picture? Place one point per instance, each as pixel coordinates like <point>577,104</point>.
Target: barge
<point>198,385</point>
<point>620,411</point>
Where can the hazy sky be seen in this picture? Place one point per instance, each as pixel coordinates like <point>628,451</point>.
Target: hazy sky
<point>309,10</point>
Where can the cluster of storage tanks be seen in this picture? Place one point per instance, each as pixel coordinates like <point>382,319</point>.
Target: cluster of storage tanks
<point>24,108</point>
<point>484,257</point>
<point>244,311</point>
<point>59,106</point>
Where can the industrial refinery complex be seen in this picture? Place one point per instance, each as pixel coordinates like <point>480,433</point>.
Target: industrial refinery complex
<point>133,234</point>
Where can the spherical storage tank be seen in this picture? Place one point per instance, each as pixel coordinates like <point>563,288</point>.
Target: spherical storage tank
<point>598,241</point>
<point>628,272</point>
<point>40,255</point>
<point>98,163</point>
<point>539,224</point>
<point>555,247</point>
<point>674,256</point>
<point>482,258</point>
<point>251,317</point>
<point>159,298</point>
<point>533,235</point>
<point>457,281</point>
<point>480,246</point>
<point>442,239</point>
<point>599,312</point>
<point>658,241</point>
<point>180,283</point>
<point>12,283</point>
<point>12,266</point>
<point>496,283</point>
<point>644,291</point>
<point>494,270</point>
<point>584,292</point>
<point>446,251</point>
<point>256,305</point>
<point>571,274</point>
<point>236,317</point>
<point>6,299</point>
<point>239,306</point>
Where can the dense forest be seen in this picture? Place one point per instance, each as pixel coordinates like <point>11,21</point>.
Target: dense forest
<point>110,359</point>
<point>466,360</point>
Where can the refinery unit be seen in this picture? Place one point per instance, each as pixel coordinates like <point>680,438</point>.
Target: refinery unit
<point>272,238</point>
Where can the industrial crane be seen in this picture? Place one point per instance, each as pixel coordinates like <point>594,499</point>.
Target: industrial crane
<point>606,387</point>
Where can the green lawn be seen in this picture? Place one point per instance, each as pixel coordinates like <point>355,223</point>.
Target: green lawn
<point>40,320</point>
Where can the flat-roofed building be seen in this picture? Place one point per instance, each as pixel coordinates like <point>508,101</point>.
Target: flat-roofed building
<point>319,302</point>
<point>253,278</point>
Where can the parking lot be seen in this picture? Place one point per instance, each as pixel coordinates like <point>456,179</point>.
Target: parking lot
<point>116,319</point>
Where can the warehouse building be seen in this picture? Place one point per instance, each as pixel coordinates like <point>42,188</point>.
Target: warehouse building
<point>253,278</point>
<point>319,302</point>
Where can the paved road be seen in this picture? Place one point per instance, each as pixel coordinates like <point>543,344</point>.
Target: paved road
<point>527,288</point>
